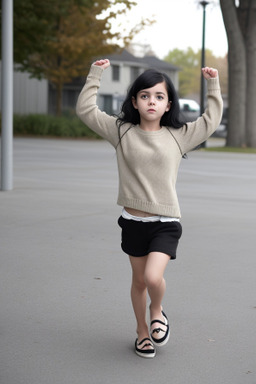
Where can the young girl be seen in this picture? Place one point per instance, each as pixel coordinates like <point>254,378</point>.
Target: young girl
<point>149,141</point>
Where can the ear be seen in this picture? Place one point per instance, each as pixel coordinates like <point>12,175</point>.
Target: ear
<point>168,106</point>
<point>134,103</point>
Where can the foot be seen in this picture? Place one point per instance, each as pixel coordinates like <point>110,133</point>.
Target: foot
<point>160,330</point>
<point>145,348</point>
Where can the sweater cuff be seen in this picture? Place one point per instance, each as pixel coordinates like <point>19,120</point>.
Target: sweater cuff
<point>213,84</point>
<point>96,71</point>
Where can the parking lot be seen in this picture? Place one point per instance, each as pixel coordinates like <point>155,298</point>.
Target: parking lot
<point>66,315</point>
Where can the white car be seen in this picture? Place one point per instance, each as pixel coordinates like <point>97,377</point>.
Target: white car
<point>189,110</point>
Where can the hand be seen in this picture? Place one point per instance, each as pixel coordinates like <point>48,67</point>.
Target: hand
<point>209,73</point>
<point>104,63</point>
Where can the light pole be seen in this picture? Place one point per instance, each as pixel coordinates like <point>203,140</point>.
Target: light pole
<point>7,96</point>
<point>202,93</point>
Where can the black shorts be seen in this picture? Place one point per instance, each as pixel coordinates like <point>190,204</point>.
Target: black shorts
<point>140,238</point>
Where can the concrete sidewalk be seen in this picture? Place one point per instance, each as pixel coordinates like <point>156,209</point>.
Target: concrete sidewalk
<point>66,316</point>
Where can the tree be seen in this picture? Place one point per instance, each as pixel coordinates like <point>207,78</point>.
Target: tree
<point>189,62</point>
<point>57,39</point>
<point>189,77</point>
<point>240,23</point>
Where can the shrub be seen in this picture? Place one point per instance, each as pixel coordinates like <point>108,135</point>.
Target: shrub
<point>47,125</point>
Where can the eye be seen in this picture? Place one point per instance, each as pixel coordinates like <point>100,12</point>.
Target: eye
<point>159,97</point>
<point>144,97</point>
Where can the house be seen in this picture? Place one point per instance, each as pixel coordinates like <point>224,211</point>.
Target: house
<point>125,68</point>
<point>29,95</point>
<point>34,96</point>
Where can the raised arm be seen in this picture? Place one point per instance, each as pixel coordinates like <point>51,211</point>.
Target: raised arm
<point>87,108</point>
<point>194,133</point>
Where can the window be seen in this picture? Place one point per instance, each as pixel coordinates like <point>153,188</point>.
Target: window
<point>115,72</point>
<point>107,104</point>
<point>135,71</point>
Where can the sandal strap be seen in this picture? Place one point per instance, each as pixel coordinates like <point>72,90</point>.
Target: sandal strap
<point>146,339</point>
<point>157,321</point>
<point>160,321</point>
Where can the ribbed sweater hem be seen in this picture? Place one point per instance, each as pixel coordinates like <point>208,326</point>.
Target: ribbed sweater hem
<point>150,207</point>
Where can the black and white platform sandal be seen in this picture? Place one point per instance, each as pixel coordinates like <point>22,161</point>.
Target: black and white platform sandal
<point>163,340</point>
<point>147,353</point>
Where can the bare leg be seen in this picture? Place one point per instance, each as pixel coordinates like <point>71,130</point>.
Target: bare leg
<point>139,295</point>
<point>147,275</point>
<point>155,283</point>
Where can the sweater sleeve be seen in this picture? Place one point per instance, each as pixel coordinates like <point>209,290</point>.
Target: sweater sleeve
<point>88,111</point>
<point>194,133</point>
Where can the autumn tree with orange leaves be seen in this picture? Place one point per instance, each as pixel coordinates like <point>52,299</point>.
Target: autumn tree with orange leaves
<point>57,39</point>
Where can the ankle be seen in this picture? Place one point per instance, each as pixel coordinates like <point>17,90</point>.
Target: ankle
<point>142,331</point>
<point>155,312</point>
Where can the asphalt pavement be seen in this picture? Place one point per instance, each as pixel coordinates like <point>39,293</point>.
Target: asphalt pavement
<point>65,311</point>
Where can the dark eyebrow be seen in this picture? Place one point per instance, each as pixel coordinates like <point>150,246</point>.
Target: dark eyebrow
<point>158,93</point>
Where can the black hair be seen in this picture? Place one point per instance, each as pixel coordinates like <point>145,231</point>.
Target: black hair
<point>149,79</point>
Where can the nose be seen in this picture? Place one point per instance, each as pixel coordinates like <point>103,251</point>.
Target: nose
<point>152,100</point>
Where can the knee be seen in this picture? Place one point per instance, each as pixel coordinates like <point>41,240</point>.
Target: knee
<point>139,283</point>
<point>153,281</point>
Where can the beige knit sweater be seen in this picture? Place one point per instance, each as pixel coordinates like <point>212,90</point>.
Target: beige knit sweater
<point>148,162</point>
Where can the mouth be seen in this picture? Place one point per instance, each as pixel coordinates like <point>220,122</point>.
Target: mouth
<point>151,110</point>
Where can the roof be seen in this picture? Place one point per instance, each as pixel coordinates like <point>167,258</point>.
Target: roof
<point>147,61</point>
<point>124,55</point>
<point>153,61</point>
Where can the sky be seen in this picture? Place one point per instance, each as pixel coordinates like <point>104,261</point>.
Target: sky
<point>179,25</point>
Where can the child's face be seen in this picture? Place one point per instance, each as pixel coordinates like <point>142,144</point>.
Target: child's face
<point>152,103</point>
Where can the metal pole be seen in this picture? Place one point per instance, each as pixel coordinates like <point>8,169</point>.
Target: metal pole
<point>7,96</point>
<point>203,3</point>
<point>202,93</point>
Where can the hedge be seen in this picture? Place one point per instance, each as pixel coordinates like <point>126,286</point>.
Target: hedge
<point>47,125</point>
